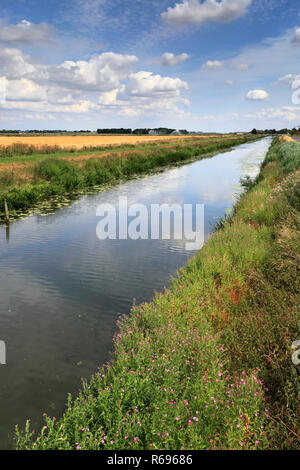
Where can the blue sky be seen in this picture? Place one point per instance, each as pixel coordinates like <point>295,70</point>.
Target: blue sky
<point>204,65</point>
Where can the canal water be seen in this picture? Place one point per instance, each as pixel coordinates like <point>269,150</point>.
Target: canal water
<point>62,289</point>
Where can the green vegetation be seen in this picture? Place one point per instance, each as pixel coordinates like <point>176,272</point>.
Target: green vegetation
<point>54,177</point>
<point>207,364</point>
<point>287,154</point>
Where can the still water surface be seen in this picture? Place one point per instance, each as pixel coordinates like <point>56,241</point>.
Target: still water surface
<point>62,289</point>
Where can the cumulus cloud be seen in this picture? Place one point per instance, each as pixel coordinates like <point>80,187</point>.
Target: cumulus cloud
<point>169,60</point>
<point>212,64</point>
<point>146,93</point>
<point>194,12</point>
<point>109,97</point>
<point>296,38</point>
<point>155,94</point>
<point>24,90</point>
<point>25,32</point>
<point>15,64</point>
<point>101,73</point>
<point>257,95</point>
<point>146,84</point>
<point>105,82</point>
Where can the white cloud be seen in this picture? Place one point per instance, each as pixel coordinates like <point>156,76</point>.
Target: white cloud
<point>79,107</point>
<point>146,93</point>
<point>229,82</point>
<point>109,97</point>
<point>168,59</point>
<point>130,112</point>
<point>104,82</point>
<point>25,31</point>
<point>212,64</point>
<point>257,95</point>
<point>296,38</point>
<point>24,90</point>
<point>40,117</point>
<point>241,67</point>
<point>287,113</point>
<point>148,85</point>
<point>101,73</point>
<point>289,78</point>
<point>15,64</point>
<point>194,12</point>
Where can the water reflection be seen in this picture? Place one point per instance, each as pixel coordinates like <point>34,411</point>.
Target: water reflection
<point>7,232</point>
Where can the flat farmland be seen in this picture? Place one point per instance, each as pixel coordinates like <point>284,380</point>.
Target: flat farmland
<point>30,174</point>
<point>79,142</point>
<point>19,152</point>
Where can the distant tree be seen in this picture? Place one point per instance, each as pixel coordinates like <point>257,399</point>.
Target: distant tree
<point>114,131</point>
<point>164,130</point>
<point>254,131</point>
<point>141,131</point>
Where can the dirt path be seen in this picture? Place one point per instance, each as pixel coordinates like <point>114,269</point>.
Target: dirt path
<point>286,138</point>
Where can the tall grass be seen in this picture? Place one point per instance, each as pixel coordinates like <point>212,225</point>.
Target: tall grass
<point>287,154</point>
<point>25,149</point>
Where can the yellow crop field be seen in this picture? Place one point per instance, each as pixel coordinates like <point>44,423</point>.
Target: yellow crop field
<point>81,141</point>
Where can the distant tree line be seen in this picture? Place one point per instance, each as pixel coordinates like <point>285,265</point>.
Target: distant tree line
<point>3,131</point>
<point>33,131</point>
<point>274,131</point>
<point>142,131</point>
<point>45,131</point>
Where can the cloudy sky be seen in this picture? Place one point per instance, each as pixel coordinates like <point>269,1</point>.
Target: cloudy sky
<point>222,65</point>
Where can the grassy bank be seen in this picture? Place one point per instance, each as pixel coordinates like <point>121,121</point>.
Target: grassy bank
<point>52,177</point>
<point>207,364</point>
